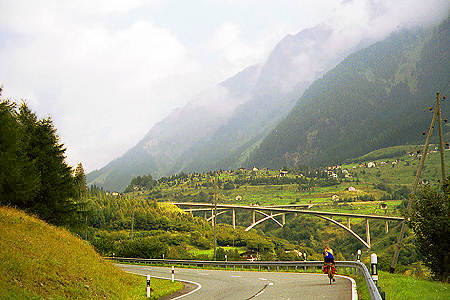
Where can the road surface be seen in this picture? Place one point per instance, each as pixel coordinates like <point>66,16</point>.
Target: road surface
<point>214,284</point>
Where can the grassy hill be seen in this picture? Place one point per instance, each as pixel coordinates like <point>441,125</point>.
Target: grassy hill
<point>389,181</point>
<point>44,261</point>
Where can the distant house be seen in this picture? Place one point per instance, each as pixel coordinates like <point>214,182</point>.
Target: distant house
<point>115,194</point>
<point>334,198</point>
<point>250,255</point>
<point>255,169</point>
<point>371,164</point>
<point>238,198</point>
<point>283,173</point>
<point>351,189</point>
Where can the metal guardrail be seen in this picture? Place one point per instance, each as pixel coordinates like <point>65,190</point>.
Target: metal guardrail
<point>352,266</point>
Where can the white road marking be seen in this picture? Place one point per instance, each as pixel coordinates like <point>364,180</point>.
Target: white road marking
<point>262,279</point>
<point>204,274</point>
<point>199,286</point>
<point>354,291</point>
<point>237,276</point>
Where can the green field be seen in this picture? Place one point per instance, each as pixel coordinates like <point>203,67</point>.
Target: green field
<point>389,181</point>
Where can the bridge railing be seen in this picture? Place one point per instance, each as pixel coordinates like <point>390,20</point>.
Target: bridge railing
<point>347,267</point>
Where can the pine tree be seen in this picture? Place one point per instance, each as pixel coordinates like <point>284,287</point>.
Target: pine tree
<point>40,145</point>
<point>80,181</point>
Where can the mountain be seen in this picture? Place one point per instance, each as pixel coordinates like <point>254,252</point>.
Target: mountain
<point>377,97</point>
<point>220,126</point>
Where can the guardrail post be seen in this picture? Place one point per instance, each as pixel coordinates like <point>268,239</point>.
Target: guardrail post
<point>373,267</point>
<point>173,273</point>
<point>374,273</point>
<point>148,286</point>
<point>358,255</point>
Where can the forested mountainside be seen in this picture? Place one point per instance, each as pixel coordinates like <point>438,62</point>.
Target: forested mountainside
<point>377,97</point>
<point>223,124</point>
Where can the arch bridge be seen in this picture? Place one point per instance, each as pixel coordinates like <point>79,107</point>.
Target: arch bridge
<point>270,213</point>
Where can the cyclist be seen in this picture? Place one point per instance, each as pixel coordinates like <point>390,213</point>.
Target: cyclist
<point>328,258</point>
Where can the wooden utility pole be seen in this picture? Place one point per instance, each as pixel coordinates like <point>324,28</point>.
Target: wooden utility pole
<point>441,143</point>
<point>132,220</point>
<point>215,216</point>
<point>436,114</point>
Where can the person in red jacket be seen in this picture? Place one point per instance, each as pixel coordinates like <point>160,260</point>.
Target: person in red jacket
<point>328,259</point>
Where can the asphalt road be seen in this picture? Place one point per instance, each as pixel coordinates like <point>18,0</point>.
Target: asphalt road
<point>252,285</point>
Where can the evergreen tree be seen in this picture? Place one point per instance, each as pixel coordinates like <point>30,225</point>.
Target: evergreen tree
<point>34,175</point>
<point>17,183</point>
<point>80,182</point>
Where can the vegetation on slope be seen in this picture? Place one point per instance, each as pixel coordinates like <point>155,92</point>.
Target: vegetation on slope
<point>43,261</point>
<point>375,98</point>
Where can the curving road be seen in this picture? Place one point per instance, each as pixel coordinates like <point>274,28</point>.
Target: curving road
<point>252,285</point>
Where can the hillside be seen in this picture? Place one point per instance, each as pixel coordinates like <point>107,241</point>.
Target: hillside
<point>43,261</point>
<point>221,125</point>
<point>375,98</point>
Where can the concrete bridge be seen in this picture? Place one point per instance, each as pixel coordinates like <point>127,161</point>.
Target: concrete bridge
<point>271,212</point>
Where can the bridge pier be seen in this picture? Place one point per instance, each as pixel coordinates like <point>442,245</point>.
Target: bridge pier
<point>212,217</point>
<point>348,223</point>
<point>283,219</point>
<point>367,231</point>
<point>386,226</point>
<point>253,216</point>
<point>234,218</point>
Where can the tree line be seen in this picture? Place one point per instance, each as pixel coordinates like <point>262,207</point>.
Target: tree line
<point>34,175</point>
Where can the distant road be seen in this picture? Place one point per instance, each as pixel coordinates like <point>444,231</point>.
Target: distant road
<point>253,285</point>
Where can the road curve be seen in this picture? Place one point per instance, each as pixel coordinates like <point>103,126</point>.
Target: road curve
<point>216,284</point>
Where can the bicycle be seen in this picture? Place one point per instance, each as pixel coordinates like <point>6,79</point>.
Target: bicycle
<point>330,270</point>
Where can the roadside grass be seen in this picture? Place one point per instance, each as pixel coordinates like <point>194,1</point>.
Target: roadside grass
<point>210,252</point>
<point>40,261</point>
<point>406,287</point>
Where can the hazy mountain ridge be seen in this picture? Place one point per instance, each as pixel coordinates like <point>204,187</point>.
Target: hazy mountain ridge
<point>220,126</point>
<point>341,115</point>
<point>375,98</point>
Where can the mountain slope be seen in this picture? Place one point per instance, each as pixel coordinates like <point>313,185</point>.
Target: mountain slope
<point>222,125</point>
<point>161,148</point>
<point>377,97</point>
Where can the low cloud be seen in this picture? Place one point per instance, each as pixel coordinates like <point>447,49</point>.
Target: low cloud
<point>106,70</point>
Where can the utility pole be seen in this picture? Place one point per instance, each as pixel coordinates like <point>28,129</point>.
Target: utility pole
<point>132,219</point>
<point>441,143</point>
<point>416,182</point>
<point>215,216</point>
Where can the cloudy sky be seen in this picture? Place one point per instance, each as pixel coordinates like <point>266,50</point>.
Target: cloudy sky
<point>105,71</point>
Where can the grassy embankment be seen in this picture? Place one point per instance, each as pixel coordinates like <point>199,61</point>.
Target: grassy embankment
<point>405,287</point>
<point>44,261</point>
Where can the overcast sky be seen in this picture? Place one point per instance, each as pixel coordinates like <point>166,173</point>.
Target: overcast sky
<point>105,71</point>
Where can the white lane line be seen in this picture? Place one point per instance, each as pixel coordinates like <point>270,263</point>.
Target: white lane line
<point>236,276</point>
<point>204,274</point>
<point>199,286</point>
<point>354,291</point>
<point>262,279</point>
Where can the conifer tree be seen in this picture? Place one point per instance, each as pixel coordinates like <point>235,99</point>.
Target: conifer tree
<point>33,173</point>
